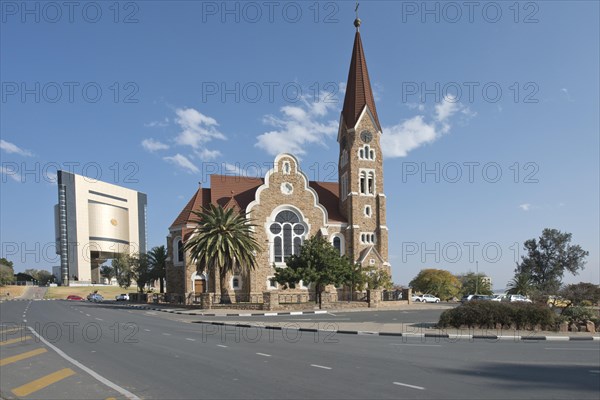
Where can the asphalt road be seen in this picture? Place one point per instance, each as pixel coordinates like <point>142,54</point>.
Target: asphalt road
<point>153,355</point>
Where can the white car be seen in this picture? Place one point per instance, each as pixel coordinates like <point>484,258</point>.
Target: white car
<point>425,298</point>
<point>96,298</point>
<point>122,297</point>
<point>514,298</point>
<point>498,297</point>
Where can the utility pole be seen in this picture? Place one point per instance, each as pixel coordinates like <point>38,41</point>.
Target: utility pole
<point>476,277</point>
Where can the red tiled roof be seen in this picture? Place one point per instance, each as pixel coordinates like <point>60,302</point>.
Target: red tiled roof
<point>242,189</point>
<point>328,193</point>
<point>238,192</point>
<point>199,200</point>
<point>358,88</point>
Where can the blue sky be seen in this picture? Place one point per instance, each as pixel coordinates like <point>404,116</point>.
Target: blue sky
<point>154,96</point>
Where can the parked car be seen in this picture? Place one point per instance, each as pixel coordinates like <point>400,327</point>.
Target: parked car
<point>466,298</point>
<point>74,297</point>
<point>498,297</point>
<point>425,298</point>
<point>122,297</point>
<point>519,298</point>
<point>556,301</point>
<point>95,298</point>
<point>481,297</point>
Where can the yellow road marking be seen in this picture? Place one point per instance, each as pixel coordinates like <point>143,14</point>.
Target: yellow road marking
<point>22,356</point>
<point>16,340</point>
<point>42,382</point>
<point>11,330</point>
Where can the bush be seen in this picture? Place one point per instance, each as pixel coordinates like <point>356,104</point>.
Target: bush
<point>577,315</point>
<point>492,315</point>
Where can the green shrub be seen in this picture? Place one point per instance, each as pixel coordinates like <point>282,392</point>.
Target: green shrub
<point>577,315</point>
<point>491,314</point>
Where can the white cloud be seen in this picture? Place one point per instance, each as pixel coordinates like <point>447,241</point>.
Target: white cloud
<point>14,175</point>
<point>152,145</point>
<point>154,124</point>
<point>298,126</point>
<point>12,148</point>
<point>566,92</point>
<point>398,140</point>
<point>197,129</point>
<point>182,162</point>
<point>525,206</point>
<point>206,154</point>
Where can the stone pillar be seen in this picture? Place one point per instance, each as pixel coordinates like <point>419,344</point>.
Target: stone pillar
<point>271,300</point>
<point>407,295</point>
<point>206,301</point>
<point>374,298</point>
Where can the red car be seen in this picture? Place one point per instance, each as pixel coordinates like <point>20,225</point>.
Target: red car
<point>75,298</point>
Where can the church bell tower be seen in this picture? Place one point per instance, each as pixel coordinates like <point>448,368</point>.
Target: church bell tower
<point>360,167</point>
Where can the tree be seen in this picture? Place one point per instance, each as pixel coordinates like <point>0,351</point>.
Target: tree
<point>108,272</point>
<point>122,270</point>
<point>377,278</point>
<point>222,242</point>
<point>581,293</point>
<point>319,263</point>
<point>158,261</point>
<point>44,277</point>
<point>548,259</point>
<point>4,261</point>
<point>141,271</point>
<point>7,274</point>
<point>473,283</point>
<point>438,282</point>
<point>521,284</point>
<point>33,273</point>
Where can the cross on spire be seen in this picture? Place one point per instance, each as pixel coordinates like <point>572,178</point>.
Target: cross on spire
<point>357,21</point>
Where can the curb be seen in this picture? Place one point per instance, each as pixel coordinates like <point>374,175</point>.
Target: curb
<point>410,335</point>
<point>265,314</point>
<point>365,333</point>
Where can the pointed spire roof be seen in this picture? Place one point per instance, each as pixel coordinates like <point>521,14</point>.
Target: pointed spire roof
<point>358,88</point>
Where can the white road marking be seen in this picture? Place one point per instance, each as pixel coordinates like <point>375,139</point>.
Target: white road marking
<point>321,312</point>
<point>319,366</point>
<point>99,319</point>
<point>24,320</point>
<point>94,374</point>
<point>570,348</point>
<point>296,313</point>
<point>410,386</point>
<point>147,330</point>
<point>221,345</point>
<point>190,339</point>
<point>167,334</point>
<point>270,314</point>
<point>263,354</point>
<point>557,338</point>
<point>415,344</point>
<point>87,315</point>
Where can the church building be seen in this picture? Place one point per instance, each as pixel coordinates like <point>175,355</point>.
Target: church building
<point>287,208</point>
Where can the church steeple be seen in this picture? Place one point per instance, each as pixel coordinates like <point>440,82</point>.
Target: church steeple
<point>358,88</point>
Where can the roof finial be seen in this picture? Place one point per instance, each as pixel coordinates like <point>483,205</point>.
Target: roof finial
<point>357,21</point>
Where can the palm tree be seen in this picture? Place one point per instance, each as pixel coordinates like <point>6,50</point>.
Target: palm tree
<point>222,241</point>
<point>158,261</point>
<point>521,284</point>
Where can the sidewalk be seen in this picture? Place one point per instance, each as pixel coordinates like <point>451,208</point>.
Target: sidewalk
<point>403,329</point>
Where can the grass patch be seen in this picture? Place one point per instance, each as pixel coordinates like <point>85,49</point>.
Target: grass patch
<point>13,290</point>
<point>108,292</point>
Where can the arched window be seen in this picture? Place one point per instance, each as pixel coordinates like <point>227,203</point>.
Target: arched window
<point>371,183</point>
<point>368,211</point>
<point>363,182</point>
<point>366,153</point>
<point>179,251</point>
<point>287,232</point>
<point>338,243</point>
